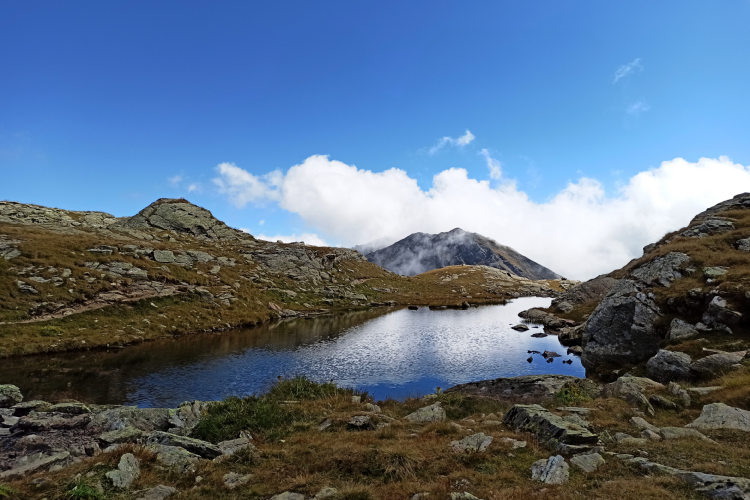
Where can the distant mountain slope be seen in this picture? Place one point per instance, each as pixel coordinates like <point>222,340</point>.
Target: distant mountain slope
<point>420,252</point>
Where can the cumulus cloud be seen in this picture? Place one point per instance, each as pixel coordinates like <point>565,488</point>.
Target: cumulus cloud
<point>308,238</point>
<point>460,142</point>
<point>628,69</point>
<point>637,108</point>
<point>175,180</point>
<point>580,232</point>
<point>242,187</point>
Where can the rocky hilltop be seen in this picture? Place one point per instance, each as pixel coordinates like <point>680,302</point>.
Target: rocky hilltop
<point>679,312</point>
<point>420,252</point>
<point>76,280</point>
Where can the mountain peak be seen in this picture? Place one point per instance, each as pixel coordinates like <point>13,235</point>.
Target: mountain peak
<point>421,252</point>
<point>180,216</point>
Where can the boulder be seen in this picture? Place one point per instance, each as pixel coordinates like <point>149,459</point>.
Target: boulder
<point>360,423</point>
<point>520,327</point>
<point>178,460</point>
<point>288,495</point>
<point>159,492</point>
<point>233,480</point>
<point>669,365</point>
<point>743,244</point>
<point>164,256</point>
<point>621,330</point>
<point>128,470</point>
<point>33,463</point>
<point>145,419</point>
<point>708,226</point>
<point>9,395</point>
<point>432,413</point>
<point>681,330</point>
<point>631,390</point>
<point>717,364</point>
<point>232,446</point>
<point>476,442</point>
<point>662,270</point>
<point>548,427</point>
<point>718,313</point>
<point>722,416</point>
<point>553,470</point>
<point>127,435</point>
<point>682,433</point>
<point>587,462</point>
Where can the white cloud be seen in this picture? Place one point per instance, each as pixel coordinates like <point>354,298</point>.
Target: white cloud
<point>494,166</point>
<point>242,187</point>
<point>175,180</point>
<point>580,232</point>
<point>194,187</point>
<point>308,238</point>
<point>637,108</point>
<point>628,69</point>
<point>460,142</point>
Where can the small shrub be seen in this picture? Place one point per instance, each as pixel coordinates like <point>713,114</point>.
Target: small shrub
<point>6,491</point>
<point>571,394</point>
<point>302,388</point>
<point>81,490</point>
<point>50,331</point>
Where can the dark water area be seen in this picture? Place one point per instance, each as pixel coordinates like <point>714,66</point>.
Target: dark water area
<point>389,354</point>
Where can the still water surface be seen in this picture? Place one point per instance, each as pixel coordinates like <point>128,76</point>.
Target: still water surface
<point>395,354</point>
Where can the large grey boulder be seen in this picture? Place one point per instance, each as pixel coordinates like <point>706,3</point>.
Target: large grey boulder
<point>717,364</point>
<point>128,470</point>
<point>669,365</point>
<point>548,427</point>
<point>9,395</point>
<point>681,330</point>
<point>719,313</point>
<point>587,462</point>
<point>145,419</point>
<point>722,416</point>
<point>621,330</point>
<point>178,460</point>
<point>432,413</point>
<point>553,470</point>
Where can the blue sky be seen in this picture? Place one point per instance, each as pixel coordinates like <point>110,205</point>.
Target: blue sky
<point>110,105</point>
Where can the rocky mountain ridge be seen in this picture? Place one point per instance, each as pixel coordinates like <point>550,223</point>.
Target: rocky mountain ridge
<point>67,277</point>
<point>421,252</point>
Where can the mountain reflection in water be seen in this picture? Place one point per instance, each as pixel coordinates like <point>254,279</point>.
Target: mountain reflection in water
<point>393,354</point>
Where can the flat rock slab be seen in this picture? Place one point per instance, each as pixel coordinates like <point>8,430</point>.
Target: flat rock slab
<point>476,442</point>
<point>35,463</point>
<point>547,426</point>
<point>721,416</point>
<point>587,462</point>
<point>524,389</point>
<point>201,448</point>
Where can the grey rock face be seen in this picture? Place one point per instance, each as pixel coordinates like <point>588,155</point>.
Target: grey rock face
<point>719,313</point>
<point>8,248</point>
<point>621,329</point>
<point>126,435</point>
<point>9,395</point>
<point>547,426</point>
<point>145,419</point>
<point>587,462</point>
<point>432,413</point>
<point>588,291</point>
<point>554,470</point>
<point>717,364</point>
<point>662,270</point>
<point>21,213</point>
<point>232,446</point>
<point>181,216</point>
<point>177,459</point>
<point>128,470</point>
<point>476,442</point>
<point>743,244</point>
<point>631,390</point>
<point>164,256</point>
<point>722,416</point>
<point>681,330</point>
<point>712,225</point>
<point>669,365</point>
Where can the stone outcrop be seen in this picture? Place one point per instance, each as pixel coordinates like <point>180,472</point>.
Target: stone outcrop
<point>547,427</point>
<point>431,413</point>
<point>523,389</point>
<point>181,216</point>
<point>669,365</point>
<point>722,416</point>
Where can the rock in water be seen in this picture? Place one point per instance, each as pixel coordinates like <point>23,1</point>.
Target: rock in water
<point>553,470</point>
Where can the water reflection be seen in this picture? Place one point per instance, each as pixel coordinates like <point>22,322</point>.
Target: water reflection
<point>389,354</point>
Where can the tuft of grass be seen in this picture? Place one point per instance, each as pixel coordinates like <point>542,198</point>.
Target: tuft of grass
<point>7,492</point>
<point>272,415</point>
<point>82,490</point>
<point>571,394</point>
